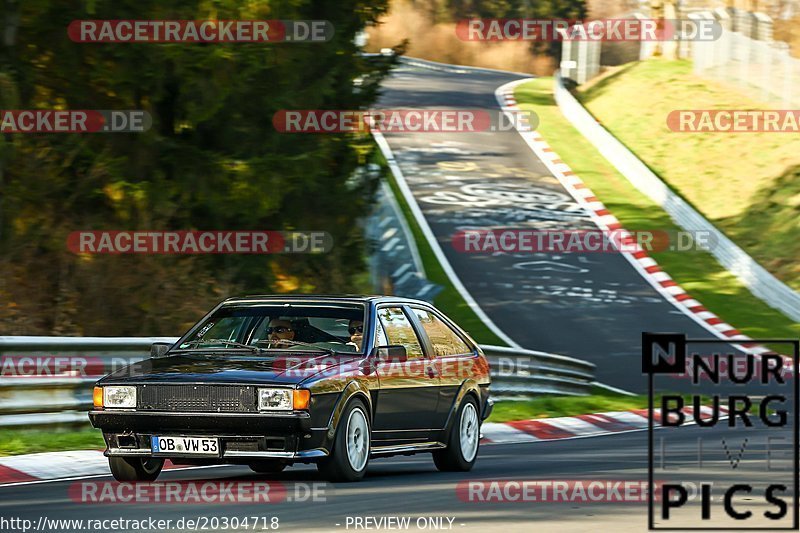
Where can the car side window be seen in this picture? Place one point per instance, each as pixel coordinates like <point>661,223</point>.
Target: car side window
<point>380,335</point>
<point>445,341</point>
<point>398,330</point>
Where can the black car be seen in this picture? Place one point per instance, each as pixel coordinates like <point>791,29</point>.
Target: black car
<point>269,381</point>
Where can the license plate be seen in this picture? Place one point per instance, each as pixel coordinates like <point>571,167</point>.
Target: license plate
<point>192,445</point>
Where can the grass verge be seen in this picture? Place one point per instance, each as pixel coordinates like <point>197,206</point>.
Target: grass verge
<point>600,401</point>
<point>549,407</point>
<point>747,184</point>
<point>449,300</point>
<point>17,442</point>
<point>697,272</point>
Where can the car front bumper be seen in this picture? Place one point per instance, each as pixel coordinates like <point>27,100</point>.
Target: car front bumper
<point>242,436</point>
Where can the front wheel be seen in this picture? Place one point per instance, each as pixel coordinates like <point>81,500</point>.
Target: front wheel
<point>462,448</point>
<point>135,468</point>
<point>350,454</point>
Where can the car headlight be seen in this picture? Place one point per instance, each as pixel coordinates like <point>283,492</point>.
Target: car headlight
<point>275,400</point>
<point>119,397</point>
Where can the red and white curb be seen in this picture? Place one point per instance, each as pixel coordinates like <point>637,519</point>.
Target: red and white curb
<point>35,467</point>
<point>581,426</point>
<point>52,466</point>
<point>641,261</point>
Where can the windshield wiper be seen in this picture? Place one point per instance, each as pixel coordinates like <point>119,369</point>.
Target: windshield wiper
<point>201,342</point>
<point>299,343</point>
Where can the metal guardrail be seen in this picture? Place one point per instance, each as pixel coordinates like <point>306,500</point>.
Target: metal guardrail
<point>58,392</point>
<point>65,396</point>
<point>518,372</point>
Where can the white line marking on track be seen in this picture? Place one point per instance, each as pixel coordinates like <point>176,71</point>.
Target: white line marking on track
<point>422,222</point>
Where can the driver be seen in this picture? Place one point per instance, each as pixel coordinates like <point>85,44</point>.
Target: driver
<point>356,330</point>
<point>279,330</point>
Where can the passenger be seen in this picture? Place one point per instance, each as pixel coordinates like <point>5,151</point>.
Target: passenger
<point>279,330</point>
<point>356,330</point>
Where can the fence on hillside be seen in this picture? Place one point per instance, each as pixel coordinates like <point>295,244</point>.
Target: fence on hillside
<point>763,69</point>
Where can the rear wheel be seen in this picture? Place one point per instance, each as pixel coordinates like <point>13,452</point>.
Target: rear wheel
<point>462,448</point>
<point>350,454</point>
<point>268,466</point>
<point>135,468</point>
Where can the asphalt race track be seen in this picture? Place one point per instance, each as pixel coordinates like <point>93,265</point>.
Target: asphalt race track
<point>411,486</point>
<point>593,306</point>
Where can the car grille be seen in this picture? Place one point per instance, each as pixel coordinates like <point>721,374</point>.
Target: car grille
<point>197,398</point>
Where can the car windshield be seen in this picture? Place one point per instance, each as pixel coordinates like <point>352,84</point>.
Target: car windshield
<point>328,328</point>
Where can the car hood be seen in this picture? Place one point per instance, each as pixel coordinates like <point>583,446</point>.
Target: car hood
<point>283,369</point>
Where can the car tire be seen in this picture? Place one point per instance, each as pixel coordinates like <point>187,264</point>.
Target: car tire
<point>462,448</point>
<point>268,466</point>
<point>135,468</point>
<point>351,446</point>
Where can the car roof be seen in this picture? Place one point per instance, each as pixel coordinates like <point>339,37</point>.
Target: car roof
<point>322,298</point>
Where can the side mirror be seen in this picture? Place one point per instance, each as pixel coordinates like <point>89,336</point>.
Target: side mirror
<point>159,349</point>
<point>395,353</point>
